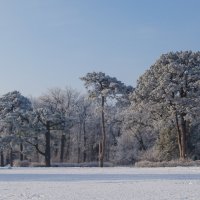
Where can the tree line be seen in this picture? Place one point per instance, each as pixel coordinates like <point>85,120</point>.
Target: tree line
<point>157,120</point>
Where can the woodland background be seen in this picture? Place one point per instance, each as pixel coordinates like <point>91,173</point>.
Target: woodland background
<point>113,124</point>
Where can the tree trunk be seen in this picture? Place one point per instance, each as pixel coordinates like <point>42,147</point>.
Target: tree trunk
<point>100,154</point>
<point>181,132</point>
<point>183,126</point>
<point>78,143</point>
<point>103,140</point>
<point>62,147</point>
<point>68,139</point>
<point>21,152</point>
<point>36,151</point>
<point>2,159</point>
<point>48,146</point>
<point>84,142</point>
<point>178,135</point>
<point>183,137</point>
<point>11,157</point>
<point>79,153</point>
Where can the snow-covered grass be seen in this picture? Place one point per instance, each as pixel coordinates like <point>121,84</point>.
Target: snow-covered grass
<point>119,183</point>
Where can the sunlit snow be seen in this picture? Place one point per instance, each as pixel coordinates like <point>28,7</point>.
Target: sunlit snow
<point>100,184</point>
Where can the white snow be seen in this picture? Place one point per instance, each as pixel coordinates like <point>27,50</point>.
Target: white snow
<point>118,183</point>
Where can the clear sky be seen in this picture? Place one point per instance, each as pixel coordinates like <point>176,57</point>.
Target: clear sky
<point>51,43</point>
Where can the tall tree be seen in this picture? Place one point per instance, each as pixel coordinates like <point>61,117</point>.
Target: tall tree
<point>53,112</point>
<point>170,91</point>
<point>44,119</point>
<point>14,109</point>
<point>83,110</point>
<point>102,87</point>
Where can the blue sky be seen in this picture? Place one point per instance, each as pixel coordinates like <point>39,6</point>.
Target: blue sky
<point>51,43</point>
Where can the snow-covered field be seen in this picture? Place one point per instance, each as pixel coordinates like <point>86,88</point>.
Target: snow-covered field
<point>100,184</point>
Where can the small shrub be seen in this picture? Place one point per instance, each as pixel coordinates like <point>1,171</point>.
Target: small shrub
<point>37,164</point>
<point>172,163</point>
<point>150,155</point>
<point>86,164</point>
<point>18,163</point>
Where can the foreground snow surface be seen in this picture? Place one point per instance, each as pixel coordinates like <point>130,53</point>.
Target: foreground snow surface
<point>100,183</point>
